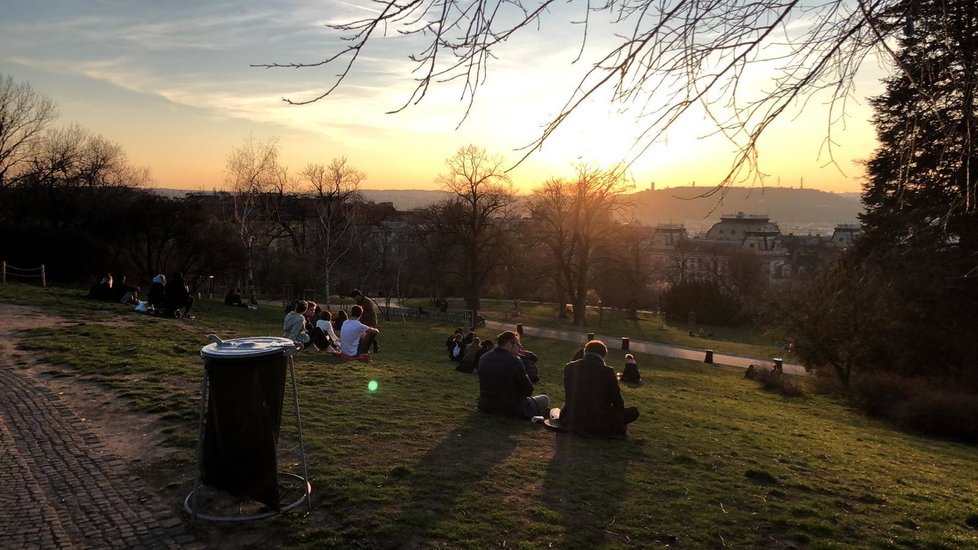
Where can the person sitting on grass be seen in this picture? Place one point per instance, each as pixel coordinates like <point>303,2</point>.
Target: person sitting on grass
<point>484,347</point>
<point>338,320</point>
<point>450,342</point>
<point>630,373</point>
<point>233,298</point>
<point>294,326</point>
<point>370,312</point>
<point>157,293</point>
<point>467,362</point>
<point>356,337</point>
<point>176,296</point>
<point>323,335</point>
<point>593,405</point>
<point>504,387</point>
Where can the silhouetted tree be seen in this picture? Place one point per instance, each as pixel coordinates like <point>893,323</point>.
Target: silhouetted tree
<point>920,227</point>
<point>472,222</point>
<point>24,115</point>
<point>573,219</point>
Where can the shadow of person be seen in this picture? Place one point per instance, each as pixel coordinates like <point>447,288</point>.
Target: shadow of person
<point>453,472</point>
<point>585,484</point>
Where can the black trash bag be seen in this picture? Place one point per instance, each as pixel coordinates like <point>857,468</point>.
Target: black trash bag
<point>244,413</point>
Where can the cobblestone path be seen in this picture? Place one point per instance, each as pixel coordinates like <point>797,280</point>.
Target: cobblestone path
<point>61,488</point>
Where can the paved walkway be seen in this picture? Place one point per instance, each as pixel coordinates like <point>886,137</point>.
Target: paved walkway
<point>61,488</point>
<point>651,348</point>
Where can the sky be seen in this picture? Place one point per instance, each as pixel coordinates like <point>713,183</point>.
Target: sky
<point>173,83</point>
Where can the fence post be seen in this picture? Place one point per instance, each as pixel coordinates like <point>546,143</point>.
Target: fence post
<point>44,280</point>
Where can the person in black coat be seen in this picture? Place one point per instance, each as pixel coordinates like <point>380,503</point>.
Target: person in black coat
<point>593,404</point>
<point>503,384</point>
<point>176,296</point>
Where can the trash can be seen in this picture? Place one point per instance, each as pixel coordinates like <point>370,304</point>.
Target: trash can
<point>245,379</point>
<point>709,356</point>
<point>624,343</point>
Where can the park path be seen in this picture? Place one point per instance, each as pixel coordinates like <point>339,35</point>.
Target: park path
<point>650,348</point>
<point>60,486</point>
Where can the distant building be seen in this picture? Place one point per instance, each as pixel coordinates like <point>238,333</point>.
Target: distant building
<point>737,238</point>
<point>844,234</point>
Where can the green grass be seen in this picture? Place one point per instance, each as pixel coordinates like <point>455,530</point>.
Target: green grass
<point>712,462</point>
<point>746,342</point>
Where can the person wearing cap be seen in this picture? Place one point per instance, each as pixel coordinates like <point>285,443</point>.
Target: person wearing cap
<point>593,404</point>
<point>504,386</point>
<point>370,309</point>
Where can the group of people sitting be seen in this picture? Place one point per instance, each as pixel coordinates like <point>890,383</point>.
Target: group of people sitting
<point>110,290</point>
<point>351,336</point>
<point>468,350</point>
<point>169,298</point>
<point>593,405</point>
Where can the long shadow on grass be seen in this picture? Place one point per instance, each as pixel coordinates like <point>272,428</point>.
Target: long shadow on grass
<point>445,480</point>
<point>584,487</point>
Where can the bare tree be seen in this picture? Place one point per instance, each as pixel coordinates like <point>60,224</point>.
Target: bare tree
<point>662,58</point>
<point>24,115</point>
<point>474,216</point>
<point>252,171</point>
<point>576,218</point>
<point>335,189</point>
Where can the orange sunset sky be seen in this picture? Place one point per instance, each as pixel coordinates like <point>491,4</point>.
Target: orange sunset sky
<point>172,83</point>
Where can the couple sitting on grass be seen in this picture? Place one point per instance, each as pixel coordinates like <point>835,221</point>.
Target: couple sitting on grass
<point>355,338</point>
<point>593,404</point>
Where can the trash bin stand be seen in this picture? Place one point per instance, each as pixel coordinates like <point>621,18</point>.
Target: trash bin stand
<point>307,493</point>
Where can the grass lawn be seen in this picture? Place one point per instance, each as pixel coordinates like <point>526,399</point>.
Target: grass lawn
<point>648,327</point>
<point>713,461</point>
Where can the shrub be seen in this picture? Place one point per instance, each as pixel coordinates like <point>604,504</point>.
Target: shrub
<point>935,408</point>
<point>825,381</point>
<point>772,380</point>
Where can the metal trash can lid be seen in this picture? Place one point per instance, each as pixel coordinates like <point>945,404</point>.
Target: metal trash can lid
<point>246,348</point>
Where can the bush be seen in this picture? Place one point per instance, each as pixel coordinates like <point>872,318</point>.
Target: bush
<point>825,381</point>
<point>772,380</point>
<point>938,409</point>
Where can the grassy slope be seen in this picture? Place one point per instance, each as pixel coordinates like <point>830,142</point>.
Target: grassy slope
<point>713,460</point>
<point>737,341</point>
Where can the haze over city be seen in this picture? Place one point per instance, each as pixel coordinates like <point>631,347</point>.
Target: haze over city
<point>173,85</point>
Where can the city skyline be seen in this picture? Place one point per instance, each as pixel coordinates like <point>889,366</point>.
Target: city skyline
<point>175,87</point>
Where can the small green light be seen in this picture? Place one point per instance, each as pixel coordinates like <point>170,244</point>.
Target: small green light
<point>372,385</point>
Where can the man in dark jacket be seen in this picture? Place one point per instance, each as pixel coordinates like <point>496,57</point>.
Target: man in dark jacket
<point>370,312</point>
<point>503,384</point>
<point>593,405</point>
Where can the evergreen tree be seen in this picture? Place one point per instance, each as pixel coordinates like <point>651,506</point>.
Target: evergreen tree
<point>921,220</point>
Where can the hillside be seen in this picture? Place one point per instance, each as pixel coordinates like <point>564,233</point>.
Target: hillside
<point>785,206</point>
<point>791,208</point>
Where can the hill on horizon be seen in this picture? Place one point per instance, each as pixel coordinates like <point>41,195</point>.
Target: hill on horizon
<point>790,208</point>
<point>783,205</point>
